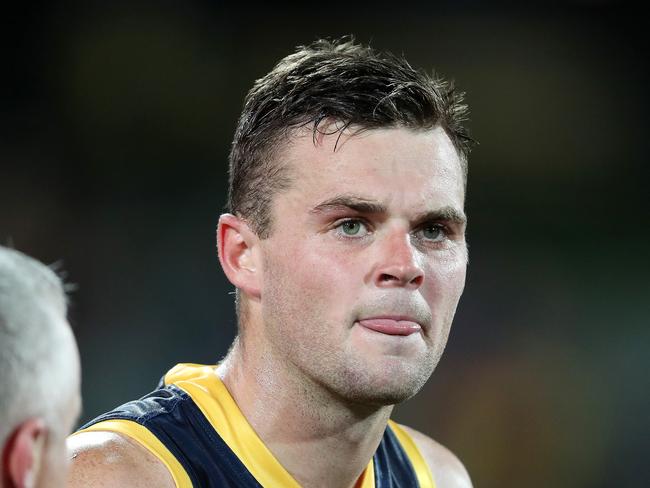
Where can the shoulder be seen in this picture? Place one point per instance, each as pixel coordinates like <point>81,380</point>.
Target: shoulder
<point>447,470</point>
<point>107,460</point>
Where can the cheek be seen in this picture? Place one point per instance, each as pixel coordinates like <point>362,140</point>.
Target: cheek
<point>445,281</point>
<point>312,267</point>
<point>308,284</point>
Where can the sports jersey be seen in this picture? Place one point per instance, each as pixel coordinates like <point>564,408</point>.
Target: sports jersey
<point>193,426</point>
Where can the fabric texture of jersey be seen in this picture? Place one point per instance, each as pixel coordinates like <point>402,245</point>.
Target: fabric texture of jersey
<point>193,425</point>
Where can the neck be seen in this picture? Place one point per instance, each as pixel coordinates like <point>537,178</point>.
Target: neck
<point>299,420</point>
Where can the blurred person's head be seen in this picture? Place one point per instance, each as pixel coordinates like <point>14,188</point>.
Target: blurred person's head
<point>39,374</point>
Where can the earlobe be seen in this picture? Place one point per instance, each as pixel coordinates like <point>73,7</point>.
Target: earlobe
<point>237,247</point>
<point>24,452</point>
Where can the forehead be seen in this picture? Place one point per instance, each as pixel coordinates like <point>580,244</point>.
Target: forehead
<point>395,165</point>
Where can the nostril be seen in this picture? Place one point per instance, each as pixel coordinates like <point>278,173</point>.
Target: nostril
<point>384,277</point>
<point>417,280</point>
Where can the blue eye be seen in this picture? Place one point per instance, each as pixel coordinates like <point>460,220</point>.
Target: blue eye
<point>352,228</point>
<point>433,233</point>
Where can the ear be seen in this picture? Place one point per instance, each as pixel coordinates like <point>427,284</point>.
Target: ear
<point>24,452</point>
<point>239,254</point>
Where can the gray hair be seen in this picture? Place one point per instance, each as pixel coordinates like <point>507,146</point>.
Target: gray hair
<point>37,349</point>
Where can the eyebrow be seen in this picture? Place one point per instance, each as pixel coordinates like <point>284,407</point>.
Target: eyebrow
<point>353,202</point>
<point>366,206</point>
<point>444,214</point>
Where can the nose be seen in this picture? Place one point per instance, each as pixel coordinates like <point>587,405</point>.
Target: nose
<point>398,265</point>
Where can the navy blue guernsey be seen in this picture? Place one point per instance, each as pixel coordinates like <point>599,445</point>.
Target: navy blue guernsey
<point>192,424</point>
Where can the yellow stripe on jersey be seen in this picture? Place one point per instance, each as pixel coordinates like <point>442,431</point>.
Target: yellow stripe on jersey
<point>209,393</point>
<point>211,396</point>
<point>422,471</point>
<point>149,441</point>
<point>368,476</point>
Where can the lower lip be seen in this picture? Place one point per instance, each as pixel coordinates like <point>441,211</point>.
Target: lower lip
<point>391,327</point>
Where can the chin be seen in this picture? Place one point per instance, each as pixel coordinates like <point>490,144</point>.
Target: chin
<point>382,398</point>
<point>388,386</point>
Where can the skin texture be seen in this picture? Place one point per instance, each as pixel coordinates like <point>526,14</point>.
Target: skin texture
<point>372,230</point>
<point>104,459</point>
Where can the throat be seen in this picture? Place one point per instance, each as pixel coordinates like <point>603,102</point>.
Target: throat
<point>319,454</point>
<point>318,439</point>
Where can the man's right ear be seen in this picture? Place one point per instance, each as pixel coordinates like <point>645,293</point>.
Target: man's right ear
<point>23,453</point>
<point>239,254</point>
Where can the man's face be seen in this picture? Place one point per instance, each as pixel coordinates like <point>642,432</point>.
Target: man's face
<point>366,261</point>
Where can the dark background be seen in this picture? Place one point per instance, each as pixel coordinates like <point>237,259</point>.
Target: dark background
<point>115,124</point>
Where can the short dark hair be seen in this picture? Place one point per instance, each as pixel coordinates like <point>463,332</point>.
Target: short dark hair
<point>327,80</point>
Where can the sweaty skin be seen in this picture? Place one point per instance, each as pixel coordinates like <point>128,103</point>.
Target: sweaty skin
<point>346,308</point>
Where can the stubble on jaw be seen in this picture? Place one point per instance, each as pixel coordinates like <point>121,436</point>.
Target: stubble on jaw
<point>320,368</point>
